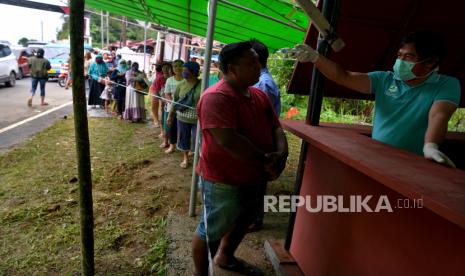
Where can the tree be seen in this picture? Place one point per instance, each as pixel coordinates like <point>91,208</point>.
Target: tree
<point>23,41</point>
<point>63,34</point>
<point>117,32</point>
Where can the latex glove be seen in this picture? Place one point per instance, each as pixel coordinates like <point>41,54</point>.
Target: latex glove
<point>304,53</point>
<point>431,151</point>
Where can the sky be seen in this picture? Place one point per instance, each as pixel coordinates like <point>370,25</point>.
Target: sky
<point>17,22</point>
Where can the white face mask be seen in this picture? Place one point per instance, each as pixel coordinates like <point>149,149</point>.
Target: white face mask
<point>403,69</point>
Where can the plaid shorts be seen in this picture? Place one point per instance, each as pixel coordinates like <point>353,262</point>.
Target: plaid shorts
<point>188,114</point>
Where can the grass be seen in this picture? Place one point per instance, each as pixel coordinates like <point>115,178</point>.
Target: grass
<point>457,121</point>
<point>134,186</point>
<point>39,214</point>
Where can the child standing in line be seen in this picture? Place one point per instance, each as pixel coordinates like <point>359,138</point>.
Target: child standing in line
<point>171,123</point>
<point>107,93</point>
<point>167,71</point>
<point>157,84</point>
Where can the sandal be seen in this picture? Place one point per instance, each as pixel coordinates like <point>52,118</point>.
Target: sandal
<point>242,267</point>
<point>29,102</point>
<point>163,145</point>
<point>44,103</point>
<point>183,165</point>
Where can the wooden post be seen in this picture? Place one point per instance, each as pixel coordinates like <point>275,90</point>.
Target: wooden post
<point>82,136</point>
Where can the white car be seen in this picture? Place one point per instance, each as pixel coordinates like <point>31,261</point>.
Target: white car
<point>8,66</point>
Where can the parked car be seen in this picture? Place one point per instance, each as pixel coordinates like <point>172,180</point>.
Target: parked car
<point>22,54</point>
<point>57,55</point>
<point>8,66</point>
<point>32,46</point>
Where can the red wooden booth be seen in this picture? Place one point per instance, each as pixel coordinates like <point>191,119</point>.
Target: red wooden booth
<point>425,233</point>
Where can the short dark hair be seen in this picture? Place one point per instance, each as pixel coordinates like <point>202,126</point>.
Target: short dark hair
<point>193,67</point>
<point>261,50</point>
<point>40,52</point>
<point>178,61</point>
<point>231,53</point>
<point>167,64</point>
<point>427,44</point>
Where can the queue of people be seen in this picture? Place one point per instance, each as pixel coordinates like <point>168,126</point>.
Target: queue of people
<point>174,92</point>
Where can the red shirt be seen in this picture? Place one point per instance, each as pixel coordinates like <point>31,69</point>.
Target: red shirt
<point>158,84</point>
<point>253,117</point>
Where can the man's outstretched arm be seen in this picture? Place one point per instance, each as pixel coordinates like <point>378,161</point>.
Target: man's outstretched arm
<point>353,80</point>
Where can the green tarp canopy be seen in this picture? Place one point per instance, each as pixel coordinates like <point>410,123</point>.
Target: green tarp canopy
<point>236,20</point>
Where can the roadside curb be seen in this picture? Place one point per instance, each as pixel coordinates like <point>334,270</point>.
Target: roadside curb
<point>17,133</point>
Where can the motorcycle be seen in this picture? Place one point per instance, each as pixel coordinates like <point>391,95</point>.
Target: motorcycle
<point>63,76</point>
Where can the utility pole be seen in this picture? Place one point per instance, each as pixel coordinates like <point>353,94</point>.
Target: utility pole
<point>124,35</point>
<point>108,27</point>
<point>205,75</point>
<point>81,132</point>
<point>145,44</point>
<point>101,27</point>
<point>42,30</point>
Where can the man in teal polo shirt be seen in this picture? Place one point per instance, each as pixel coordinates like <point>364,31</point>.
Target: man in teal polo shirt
<point>413,104</point>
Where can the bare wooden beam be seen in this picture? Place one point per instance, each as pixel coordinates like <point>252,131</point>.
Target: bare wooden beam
<point>322,24</point>
<point>35,5</point>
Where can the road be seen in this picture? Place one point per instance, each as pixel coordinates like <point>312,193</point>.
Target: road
<point>13,101</point>
<point>18,121</point>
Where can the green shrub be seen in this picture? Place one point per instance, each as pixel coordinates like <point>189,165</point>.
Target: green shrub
<point>333,109</point>
<point>457,121</point>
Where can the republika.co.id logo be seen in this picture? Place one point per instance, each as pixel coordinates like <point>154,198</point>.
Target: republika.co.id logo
<point>339,203</point>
